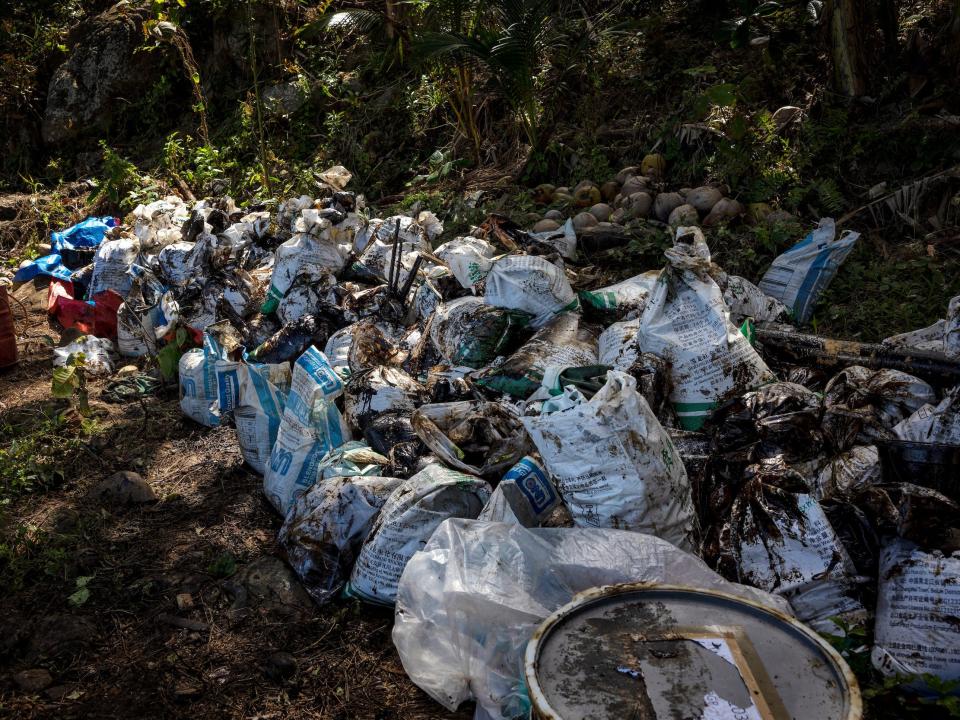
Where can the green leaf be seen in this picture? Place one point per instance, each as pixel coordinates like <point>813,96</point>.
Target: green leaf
<point>723,95</point>
<point>79,597</point>
<point>767,9</point>
<point>701,70</point>
<point>737,127</point>
<point>65,381</point>
<point>223,567</point>
<point>168,358</point>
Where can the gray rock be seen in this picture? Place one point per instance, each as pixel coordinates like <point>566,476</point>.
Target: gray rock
<point>284,99</point>
<point>281,666</point>
<point>34,680</point>
<point>269,581</point>
<point>60,635</point>
<point>103,66</point>
<point>123,488</point>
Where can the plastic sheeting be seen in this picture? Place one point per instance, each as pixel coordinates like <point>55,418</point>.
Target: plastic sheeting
<point>469,601</point>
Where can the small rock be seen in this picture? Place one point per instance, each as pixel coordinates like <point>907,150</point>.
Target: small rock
<point>33,681</point>
<point>184,601</point>
<point>59,693</point>
<point>546,225</point>
<point>269,580</point>
<point>281,666</point>
<point>666,203</point>
<point>582,221</point>
<point>124,487</point>
<point>601,211</point>
<point>683,215</point>
<point>60,635</point>
<point>126,371</point>
<point>555,215</point>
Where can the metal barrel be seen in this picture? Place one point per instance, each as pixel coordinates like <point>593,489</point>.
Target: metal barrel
<point>659,651</point>
<point>8,337</point>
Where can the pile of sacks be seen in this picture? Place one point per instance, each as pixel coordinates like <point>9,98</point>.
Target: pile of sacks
<point>457,430</point>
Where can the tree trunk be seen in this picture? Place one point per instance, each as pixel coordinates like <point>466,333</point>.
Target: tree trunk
<point>849,30</point>
<point>888,15</point>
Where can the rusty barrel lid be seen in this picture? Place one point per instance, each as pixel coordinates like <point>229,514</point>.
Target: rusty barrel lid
<point>659,652</point>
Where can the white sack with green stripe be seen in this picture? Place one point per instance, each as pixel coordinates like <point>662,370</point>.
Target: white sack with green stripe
<point>687,323</point>
<point>615,466</point>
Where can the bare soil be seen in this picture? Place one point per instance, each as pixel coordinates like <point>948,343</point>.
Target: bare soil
<point>190,612</point>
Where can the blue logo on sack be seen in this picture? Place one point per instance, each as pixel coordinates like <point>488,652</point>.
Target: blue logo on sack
<point>188,387</point>
<point>533,483</point>
<point>280,461</point>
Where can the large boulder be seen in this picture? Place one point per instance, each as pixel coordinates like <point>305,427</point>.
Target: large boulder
<point>103,66</point>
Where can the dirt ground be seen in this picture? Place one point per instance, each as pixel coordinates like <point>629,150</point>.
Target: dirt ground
<point>190,611</point>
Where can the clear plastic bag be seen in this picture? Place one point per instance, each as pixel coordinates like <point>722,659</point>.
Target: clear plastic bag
<point>469,601</point>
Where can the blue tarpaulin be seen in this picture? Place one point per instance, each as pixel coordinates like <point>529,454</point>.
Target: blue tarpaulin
<point>88,233</point>
<point>47,265</point>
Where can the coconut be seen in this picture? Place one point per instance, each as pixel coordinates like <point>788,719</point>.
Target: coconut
<point>553,215</point>
<point>618,216</point>
<point>704,198</point>
<point>758,213</point>
<point>586,194</point>
<point>563,195</point>
<point>546,225</point>
<point>654,165</point>
<point>666,203</point>
<point>725,209</point>
<point>601,211</point>
<point>627,173</point>
<point>543,194</point>
<point>639,204</point>
<point>609,190</point>
<point>781,217</point>
<point>637,183</point>
<point>584,220</point>
<point>683,215</point>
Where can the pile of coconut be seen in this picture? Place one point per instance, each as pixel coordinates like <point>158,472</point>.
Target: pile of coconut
<point>638,193</point>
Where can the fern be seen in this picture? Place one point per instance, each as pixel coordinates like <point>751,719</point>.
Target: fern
<point>829,195</point>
